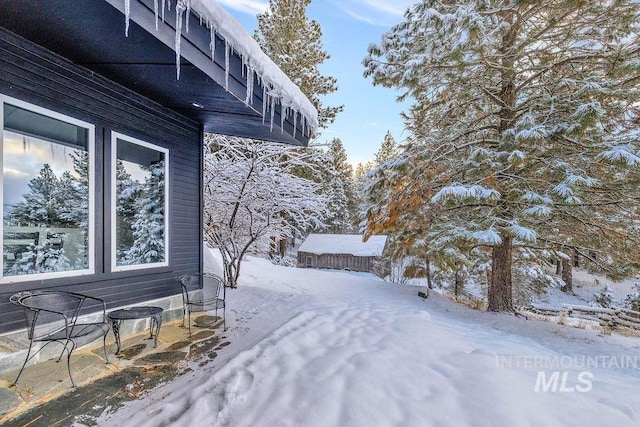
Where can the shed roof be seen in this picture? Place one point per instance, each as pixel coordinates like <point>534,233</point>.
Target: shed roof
<point>349,244</point>
<point>134,43</point>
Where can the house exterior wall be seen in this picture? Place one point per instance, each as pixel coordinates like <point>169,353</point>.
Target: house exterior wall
<point>36,76</point>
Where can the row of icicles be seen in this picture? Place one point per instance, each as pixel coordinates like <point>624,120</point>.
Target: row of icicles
<point>270,97</point>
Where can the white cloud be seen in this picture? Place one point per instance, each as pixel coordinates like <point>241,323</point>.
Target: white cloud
<point>376,12</point>
<point>252,7</point>
<point>397,7</point>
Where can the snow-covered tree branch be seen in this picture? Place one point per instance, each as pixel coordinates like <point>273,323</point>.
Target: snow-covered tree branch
<point>252,196</point>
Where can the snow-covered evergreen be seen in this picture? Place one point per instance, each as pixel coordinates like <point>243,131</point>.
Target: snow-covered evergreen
<point>339,189</point>
<point>523,130</point>
<point>632,301</point>
<point>388,150</point>
<point>148,225</point>
<point>604,298</point>
<point>53,202</point>
<point>293,42</point>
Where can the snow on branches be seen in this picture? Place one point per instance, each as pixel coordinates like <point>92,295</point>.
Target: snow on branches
<point>252,196</point>
<point>523,124</point>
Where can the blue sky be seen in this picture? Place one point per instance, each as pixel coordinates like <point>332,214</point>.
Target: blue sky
<point>348,26</point>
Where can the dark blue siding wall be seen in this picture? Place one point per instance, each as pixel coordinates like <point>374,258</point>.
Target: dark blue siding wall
<point>35,75</point>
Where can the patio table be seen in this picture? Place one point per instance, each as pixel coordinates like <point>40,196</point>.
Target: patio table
<point>117,317</point>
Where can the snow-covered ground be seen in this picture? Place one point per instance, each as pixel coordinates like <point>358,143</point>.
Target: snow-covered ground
<point>333,348</point>
<point>585,286</point>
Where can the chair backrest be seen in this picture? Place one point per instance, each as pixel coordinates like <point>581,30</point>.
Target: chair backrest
<point>48,311</point>
<point>211,285</point>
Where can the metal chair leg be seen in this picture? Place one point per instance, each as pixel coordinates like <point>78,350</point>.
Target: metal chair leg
<point>73,384</point>
<point>189,321</point>
<point>104,347</point>
<point>24,364</point>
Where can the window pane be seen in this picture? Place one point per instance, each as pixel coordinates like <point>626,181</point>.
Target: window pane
<point>45,194</point>
<point>140,224</point>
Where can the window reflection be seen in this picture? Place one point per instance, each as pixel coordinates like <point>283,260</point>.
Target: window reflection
<point>45,192</point>
<point>140,221</point>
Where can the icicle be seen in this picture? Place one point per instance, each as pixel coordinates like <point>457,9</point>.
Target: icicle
<point>264,103</point>
<point>178,38</point>
<point>212,44</point>
<point>155,11</point>
<point>127,13</point>
<point>295,122</point>
<point>249,87</point>
<point>188,14</point>
<point>226,64</point>
<point>284,112</point>
<point>163,10</point>
<point>273,110</point>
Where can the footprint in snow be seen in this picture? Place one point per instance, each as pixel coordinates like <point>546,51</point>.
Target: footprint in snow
<point>484,352</point>
<point>625,409</point>
<point>242,381</point>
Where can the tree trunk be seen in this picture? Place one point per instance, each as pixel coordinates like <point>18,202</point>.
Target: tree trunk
<point>428,268</point>
<point>272,247</point>
<point>500,289</point>
<point>457,286</point>
<point>567,271</point>
<point>558,267</point>
<point>283,247</point>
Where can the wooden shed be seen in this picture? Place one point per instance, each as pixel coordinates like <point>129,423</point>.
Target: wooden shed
<point>103,109</point>
<point>342,252</point>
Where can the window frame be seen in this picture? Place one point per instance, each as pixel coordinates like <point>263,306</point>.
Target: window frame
<point>115,136</point>
<point>91,148</point>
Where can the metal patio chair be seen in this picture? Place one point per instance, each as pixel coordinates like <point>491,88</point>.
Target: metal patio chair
<point>202,292</point>
<point>52,316</point>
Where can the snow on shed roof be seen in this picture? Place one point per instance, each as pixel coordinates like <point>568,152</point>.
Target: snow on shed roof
<point>277,84</point>
<point>351,244</point>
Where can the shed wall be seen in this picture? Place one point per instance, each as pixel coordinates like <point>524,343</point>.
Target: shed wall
<point>337,261</point>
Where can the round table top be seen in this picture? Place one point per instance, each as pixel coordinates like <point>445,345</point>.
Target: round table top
<point>137,312</point>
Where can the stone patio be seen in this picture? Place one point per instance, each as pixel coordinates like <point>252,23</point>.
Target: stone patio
<point>44,396</point>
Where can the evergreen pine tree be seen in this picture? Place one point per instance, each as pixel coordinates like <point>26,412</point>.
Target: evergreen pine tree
<point>148,226</point>
<point>80,210</point>
<point>338,221</point>
<point>41,205</point>
<point>128,191</point>
<point>521,129</point>
<point>388,150</point>
<point>341,174</point>
<point>292,41</point>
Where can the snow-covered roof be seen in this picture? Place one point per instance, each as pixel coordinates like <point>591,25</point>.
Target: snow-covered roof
<point>277,84</point>
<point>350,244</point>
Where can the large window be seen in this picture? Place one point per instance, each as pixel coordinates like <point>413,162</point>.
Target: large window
<point>47,193</point>
<point>140,205</point>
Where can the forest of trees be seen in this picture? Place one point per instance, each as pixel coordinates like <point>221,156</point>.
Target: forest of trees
<point>521,153</point>
<point>52,202</point>
<point>523,143</point>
